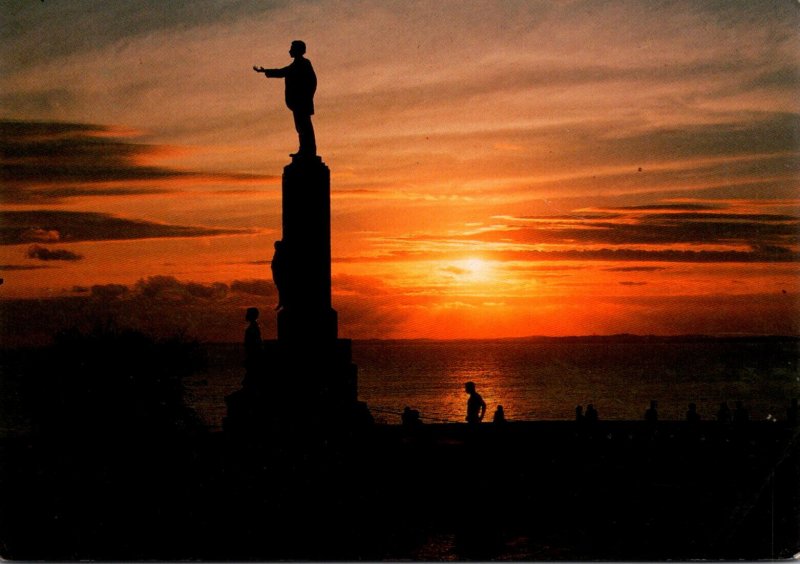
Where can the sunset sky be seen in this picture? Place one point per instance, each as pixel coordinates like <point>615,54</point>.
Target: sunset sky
<point>498,168</point>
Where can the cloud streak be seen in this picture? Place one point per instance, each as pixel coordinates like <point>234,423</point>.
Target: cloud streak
<point>43,253</point>
<point>18,227</point>
<point>50,161</point>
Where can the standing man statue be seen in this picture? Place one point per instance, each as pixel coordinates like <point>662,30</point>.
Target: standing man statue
<point>301,83</point>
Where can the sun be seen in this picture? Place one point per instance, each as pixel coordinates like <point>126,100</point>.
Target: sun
<point>471,270</point>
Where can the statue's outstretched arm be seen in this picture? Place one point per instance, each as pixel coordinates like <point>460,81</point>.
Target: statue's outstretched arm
<point>272,73</point>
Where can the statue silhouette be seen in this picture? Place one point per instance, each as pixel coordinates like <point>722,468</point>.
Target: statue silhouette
<point>476,407</point>
<point>301,83</point>
<point>279,273</point>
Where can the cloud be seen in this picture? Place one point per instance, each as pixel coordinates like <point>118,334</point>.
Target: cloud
<point>169,289</point>
<point>672,207</point>
<point>102,24</point>
<point>635,269</point>
<point>18,227</point>
<point>635,255</point>
<point>255,287</point>
<point>50,161</point>
<point>769,235</point>
<point>454,270</point>
<point>11,267</point>
<point>43,253</point>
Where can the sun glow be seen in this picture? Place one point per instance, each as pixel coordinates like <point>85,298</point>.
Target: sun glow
<point>471,270</point>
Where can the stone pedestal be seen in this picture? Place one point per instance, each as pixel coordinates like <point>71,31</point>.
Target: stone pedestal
<point>307,382</point>
<point>307,314</point>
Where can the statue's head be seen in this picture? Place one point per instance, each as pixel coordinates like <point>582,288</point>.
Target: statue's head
<point>298,48</point>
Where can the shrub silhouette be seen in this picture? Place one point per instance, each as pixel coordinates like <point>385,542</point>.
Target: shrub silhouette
<point>112,380</point>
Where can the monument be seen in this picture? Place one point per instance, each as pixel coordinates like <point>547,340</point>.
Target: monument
<point>307,382</point>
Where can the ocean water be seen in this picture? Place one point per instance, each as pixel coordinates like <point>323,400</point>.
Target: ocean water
<point>546,379</point>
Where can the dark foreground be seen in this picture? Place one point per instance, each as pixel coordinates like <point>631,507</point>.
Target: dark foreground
<point>528,491</point>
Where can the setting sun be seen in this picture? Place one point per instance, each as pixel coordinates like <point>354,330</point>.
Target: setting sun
<point>473,270</point>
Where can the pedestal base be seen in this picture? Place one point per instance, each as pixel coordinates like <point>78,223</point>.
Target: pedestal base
<point>302,390</point>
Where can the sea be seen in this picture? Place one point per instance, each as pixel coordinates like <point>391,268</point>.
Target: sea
<point>546,378</point>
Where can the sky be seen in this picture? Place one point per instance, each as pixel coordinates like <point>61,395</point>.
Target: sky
<point>498,168</point>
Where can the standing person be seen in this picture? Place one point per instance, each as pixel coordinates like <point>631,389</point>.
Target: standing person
<point>651,415</point>
<point>301,84</point>
<point>691,414</point>
<point>476,407</point>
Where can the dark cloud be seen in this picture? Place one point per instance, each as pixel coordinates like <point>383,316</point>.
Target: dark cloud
<point>768,234</point>
<point>17,227</point>
<point>630,283</point>
<point>45,161</point>
<point>673,207</point>
<point>10,267</point>
<point>775,133</point>
<point>621,255</point>
<point>56,195</point>
<point>71,152</point>
<point>356,285</point>
<point>43,253</point>
<point>635,269</point>
<point>255,287</point>
<point>738,217</point>
<point>170,289</point>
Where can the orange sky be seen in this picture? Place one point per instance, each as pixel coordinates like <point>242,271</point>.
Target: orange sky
<point>498,168</point>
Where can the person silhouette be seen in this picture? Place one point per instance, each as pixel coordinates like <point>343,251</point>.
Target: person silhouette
<point>301,84</point>
<point>499,415</point>
<point>579,416</point>
<point>651,415</point>
<point>476,407</point>
<point>252,341</point>
<point>591,414</point>
<point>278,266</point>
<point>691,414</point>
<point>740,414</point>
<point>410,417</point>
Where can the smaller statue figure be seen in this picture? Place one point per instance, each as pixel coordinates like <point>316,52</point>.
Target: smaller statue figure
<point>279,273</point>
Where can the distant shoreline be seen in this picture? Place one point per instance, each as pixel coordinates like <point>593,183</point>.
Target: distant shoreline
<point>621,338</point>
